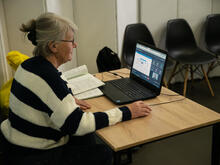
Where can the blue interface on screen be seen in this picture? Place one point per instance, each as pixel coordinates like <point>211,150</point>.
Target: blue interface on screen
<point>148,64</point>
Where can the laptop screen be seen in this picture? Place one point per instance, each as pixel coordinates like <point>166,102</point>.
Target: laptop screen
<point>149,64</point>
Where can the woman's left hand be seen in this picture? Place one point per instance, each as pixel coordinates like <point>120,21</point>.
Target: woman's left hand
<point>83,104</point>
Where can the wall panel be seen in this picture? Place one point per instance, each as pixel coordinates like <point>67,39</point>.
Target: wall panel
<point>126,14</point>
<point>64,9</point>
<point>195,12</point>
<point>96,21</point>
<point>215,6</point>
<point>18,12</point>
<point>156,13</point>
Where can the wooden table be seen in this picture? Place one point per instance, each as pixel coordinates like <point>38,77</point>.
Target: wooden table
<point>166,119</point>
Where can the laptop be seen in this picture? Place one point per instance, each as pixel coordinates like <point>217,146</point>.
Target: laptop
<point>145,79</point>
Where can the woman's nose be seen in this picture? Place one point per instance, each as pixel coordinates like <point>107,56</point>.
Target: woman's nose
<point>74,45</point>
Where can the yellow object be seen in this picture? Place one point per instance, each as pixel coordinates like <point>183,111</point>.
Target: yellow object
<point>14,58</point>
<point>4,94</point>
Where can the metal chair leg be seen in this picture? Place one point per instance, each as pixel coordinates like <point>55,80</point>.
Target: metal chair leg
<point>207,81</point>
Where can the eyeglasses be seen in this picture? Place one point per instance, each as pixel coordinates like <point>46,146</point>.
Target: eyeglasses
<point>73,42</point>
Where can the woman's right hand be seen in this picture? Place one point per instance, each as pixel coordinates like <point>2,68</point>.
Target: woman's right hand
<point>138,109</point>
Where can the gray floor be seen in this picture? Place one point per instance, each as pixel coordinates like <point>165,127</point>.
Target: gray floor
<point>193,148</point>
<point>198,91</point>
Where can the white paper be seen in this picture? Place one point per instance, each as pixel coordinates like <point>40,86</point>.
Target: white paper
<point>89,94</point>
<point>80,81</point>
<point>84,83</point>
<point>75,72</point>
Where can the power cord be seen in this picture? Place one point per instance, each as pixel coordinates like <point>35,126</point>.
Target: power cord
<point>116,74</point>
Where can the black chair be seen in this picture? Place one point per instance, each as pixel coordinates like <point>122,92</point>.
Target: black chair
<point>181,46</point>
<point>212,38</point>
<point>133,33</point>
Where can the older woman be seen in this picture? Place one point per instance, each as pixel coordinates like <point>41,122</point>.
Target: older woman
<point>46,125</point>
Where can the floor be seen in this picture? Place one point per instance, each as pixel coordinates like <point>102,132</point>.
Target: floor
<point>198,91</point>
<point>193,148</point>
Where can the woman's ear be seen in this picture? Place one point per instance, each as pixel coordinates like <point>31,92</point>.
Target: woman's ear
<point>52,46</point>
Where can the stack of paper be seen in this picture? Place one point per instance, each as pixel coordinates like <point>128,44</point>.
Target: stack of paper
<point>83,84</point>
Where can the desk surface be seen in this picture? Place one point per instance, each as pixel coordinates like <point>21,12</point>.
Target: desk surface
<point>165,119</point>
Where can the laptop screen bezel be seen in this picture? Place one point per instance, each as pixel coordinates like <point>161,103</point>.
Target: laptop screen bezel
<point>155,89</point>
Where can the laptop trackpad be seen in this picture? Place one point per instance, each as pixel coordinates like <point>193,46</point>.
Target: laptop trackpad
<point>114,94</point>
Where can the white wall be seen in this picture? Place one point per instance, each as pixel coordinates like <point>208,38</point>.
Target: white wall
<point>96,20</point>
<point>13,14</point>
<point>127,13</point>
<point>215,6</point>
<point>195,14</point>
<point>65,9</point>
<point>18,12</point>
<point>102,22</point>
<point>23,14</point>
<point>156,13</point>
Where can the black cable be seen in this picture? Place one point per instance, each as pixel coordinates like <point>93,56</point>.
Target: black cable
<point>116,74</point>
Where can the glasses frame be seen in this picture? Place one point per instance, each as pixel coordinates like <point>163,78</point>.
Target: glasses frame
<point>73,41</point>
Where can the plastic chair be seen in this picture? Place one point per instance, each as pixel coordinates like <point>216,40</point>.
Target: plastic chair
<point>181,46</point>
<point>133,33</point>
<point>212,38</point>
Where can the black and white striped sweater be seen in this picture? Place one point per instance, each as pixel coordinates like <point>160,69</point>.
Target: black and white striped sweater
<point>43,112</point>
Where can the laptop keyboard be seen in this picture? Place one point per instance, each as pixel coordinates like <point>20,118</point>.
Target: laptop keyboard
<point>130,89</point>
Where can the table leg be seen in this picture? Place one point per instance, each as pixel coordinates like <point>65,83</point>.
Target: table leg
<point>123,157</point>
<point>216,144</point>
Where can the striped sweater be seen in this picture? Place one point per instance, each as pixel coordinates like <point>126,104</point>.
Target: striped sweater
<point>42,110</point>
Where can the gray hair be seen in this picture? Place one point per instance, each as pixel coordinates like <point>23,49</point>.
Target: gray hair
<point>47,27</point>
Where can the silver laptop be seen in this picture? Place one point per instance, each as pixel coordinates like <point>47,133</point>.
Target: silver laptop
<point>145,79</point>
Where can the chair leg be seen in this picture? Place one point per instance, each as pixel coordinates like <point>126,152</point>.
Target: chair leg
<point>207,81</point>
<point>191,72</point>
<point>172,74</point>
<point>210,68</point>
<point>185,81</point>
<point>164,82</point>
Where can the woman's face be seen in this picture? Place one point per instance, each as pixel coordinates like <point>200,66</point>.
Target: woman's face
<point>65,48</point>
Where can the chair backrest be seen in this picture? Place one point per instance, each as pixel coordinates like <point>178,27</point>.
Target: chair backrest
<point>212,33</point>
<point>133,33</point>
<point>179,35</point>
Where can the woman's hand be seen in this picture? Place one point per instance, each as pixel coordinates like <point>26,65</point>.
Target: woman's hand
<point>82,104</point>
<point>138,109</point>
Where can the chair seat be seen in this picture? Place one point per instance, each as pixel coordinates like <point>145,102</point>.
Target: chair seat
<point>193,56</point>
<point>215,49</point>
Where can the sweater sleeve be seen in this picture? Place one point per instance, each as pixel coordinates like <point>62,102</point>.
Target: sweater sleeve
<point>72,120</point>
<point>64,114</point>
